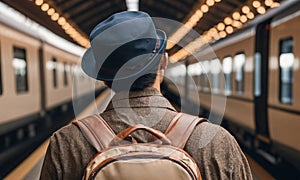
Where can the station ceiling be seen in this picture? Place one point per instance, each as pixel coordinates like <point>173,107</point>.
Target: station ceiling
<point>83,15</point>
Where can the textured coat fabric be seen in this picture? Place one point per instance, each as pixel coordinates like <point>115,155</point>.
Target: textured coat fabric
<point>216,152</point>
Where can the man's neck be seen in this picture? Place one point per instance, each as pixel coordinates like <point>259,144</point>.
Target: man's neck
<point>156,83</point>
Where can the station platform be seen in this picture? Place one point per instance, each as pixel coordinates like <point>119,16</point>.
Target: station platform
<point>30,168</point>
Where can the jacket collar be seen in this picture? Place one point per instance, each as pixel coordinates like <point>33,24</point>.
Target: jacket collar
<point>148,98</point>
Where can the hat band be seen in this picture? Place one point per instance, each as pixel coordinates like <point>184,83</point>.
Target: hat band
<point>156,48</point>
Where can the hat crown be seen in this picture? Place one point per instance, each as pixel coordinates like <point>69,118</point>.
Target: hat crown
<point>127,44</point>
<point>126,26</point>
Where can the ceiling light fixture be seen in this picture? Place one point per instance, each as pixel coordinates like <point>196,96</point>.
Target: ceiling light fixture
<point>69,29</point>
<point>190,24</point>
<point>220,31</point>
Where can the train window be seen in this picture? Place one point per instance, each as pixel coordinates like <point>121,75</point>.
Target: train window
<point>1,89</point>
<point>239,63</point>
<point>177,74</point>
<point>54,72</point>
<point>20,68</point>
<point>66,69</point>
<point>257,73</point>
<point>227,69</point>
<point>194,71</point>
<point>286,62</point>
<point>206,71</point>
<point>73,70</point>
<point>215,69</point>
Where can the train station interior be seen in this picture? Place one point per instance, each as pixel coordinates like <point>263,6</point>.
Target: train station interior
<point>232,62</point>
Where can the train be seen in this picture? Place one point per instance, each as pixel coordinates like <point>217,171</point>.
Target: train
<point>40,78</point>
<point>254,73</point>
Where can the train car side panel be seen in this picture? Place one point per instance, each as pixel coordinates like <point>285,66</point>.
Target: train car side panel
<point>278,34</point>
<point>21,93</point>
<point>284,128</point>
<point>57,65</point>
<point>284,73</point>
<point>237,100</point>
<point>245,114</point>
<point>205,100</point>
<point>245,46</point>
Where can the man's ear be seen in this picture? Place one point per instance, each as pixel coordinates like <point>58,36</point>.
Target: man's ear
<point>164,61</point>
<point>105,83</point>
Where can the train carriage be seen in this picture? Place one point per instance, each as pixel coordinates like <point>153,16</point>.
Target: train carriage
<point>20,94</point>
<point>284,87</point>
<point>237,57</point>
<point>39,72</point>
<point>58,75</point>
<point>260,72</point>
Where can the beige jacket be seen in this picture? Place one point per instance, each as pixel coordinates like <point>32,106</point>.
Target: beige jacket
<point>216,152</point>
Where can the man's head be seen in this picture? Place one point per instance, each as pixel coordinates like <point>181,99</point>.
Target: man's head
<point>125,48</point>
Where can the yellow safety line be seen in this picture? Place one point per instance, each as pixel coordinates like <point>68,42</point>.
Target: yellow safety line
<point>257,171</point>
<point>28,164</point>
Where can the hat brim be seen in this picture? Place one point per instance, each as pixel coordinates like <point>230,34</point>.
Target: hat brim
<point>89,64</point>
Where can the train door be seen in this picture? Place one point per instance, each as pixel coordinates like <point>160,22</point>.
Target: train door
<point>261,80</point>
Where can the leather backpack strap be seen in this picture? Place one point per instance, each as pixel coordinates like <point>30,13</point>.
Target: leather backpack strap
<point>181,128</point>
<point>96,131</point>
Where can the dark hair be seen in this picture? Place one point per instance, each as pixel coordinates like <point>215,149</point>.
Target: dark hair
<point>139,84</point>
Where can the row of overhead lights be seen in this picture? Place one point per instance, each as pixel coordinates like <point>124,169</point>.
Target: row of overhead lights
<point>65,25</point>
<point>223,29</point>
<point>192,22</point>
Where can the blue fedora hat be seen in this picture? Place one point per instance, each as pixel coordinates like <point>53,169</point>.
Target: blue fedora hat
<point>125,45</point>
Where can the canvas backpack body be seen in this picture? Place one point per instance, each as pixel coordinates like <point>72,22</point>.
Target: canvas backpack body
<point>120,158</point>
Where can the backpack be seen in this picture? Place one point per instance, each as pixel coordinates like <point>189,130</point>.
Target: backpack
<point>120,158</point>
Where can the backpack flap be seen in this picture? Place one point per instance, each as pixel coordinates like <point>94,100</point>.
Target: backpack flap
<point>143,161</point>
